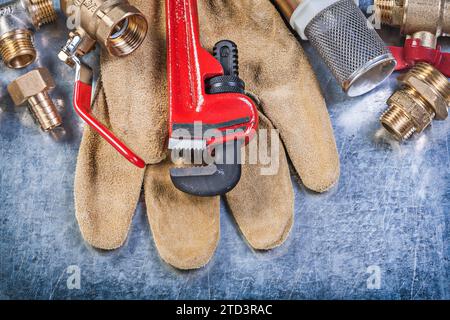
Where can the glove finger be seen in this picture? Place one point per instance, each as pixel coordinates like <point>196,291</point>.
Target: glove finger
<point>276,69</point>
<point>263,201</point>
<point>185,228</point>
<point>107,188</point>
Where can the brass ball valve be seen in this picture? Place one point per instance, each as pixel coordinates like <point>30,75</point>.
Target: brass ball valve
<point>117,26</point>
<point>411,16</point>
<point>17,18</point>
<point>423,22</point>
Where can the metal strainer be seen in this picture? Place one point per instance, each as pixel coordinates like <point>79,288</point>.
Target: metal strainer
<point>346,41</point>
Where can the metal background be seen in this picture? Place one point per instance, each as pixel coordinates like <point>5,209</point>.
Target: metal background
<point>390,212</point>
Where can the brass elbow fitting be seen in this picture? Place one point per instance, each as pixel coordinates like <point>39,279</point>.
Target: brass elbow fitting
<point>424,96</point>
<point>16,38</point>
<point>412,16</point>
<point>33,88</point>
<point>119,27</point>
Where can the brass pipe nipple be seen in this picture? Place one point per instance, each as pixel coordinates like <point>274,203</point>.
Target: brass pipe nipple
<point>41,12</point>
<point>424,96</point>
<point>17,48</point>
<point>16,44</point>
<point>385,10</point>
<point>33,88</point>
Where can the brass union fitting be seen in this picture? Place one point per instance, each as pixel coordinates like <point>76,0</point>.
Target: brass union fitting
<point>416,15</point>
<point>424,96</point>
<point>33,88</point>
<point>118,26</point>
<point>16,21</point>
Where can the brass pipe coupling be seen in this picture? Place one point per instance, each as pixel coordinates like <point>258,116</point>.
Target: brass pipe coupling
<point>33,88</point>
<point>424,96</point>
<point>17,19</point>
<point>119,27</point>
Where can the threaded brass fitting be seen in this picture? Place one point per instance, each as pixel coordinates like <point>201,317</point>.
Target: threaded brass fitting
<point>41,12</point>
<point>16,38</point>
<point>287,7</point>
<point>17,49</point>
<point>33,88</point>
<point>424,96</point>
<point>416,15</point>
<point>118,26</point>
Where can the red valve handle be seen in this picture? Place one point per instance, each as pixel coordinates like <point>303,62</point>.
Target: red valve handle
<point>413,52</point>
<point>82,104</point>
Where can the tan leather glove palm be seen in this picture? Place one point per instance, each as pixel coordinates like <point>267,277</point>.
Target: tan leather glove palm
<point>133,102</point>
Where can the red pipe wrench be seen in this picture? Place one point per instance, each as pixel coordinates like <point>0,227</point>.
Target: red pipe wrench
<point>414,52</point>
<point>82,96</point>
<point>209,111</point>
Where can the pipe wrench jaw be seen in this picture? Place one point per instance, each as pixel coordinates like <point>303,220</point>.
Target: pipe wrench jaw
<point>220,151</point>
<point>217,178</point>
<point>82,97</point>
<point>227,120</point>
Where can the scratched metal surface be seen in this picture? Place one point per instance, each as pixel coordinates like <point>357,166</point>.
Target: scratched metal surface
<point>389,216</point>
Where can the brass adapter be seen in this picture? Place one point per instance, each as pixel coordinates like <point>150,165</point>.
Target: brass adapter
<point>33,88</point>
<point>118,26</point>
<point>287,7</point>
<point>16,38</point>
<point>424,96</point>
<point>17,49</point>
<point>413,16</point>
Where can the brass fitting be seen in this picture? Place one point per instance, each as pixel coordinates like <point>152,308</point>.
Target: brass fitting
<point>424,96</point>
<point>17,49</point>
<point>118,26</point>
<point>16,38</point>
<point>413,16</point>
<point>287,7</point>
<point>33,88</point>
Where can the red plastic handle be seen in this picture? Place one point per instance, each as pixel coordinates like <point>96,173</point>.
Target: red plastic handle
<point>413,52</point>
<point>82,104</point>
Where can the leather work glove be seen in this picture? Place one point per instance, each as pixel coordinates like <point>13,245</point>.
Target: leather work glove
<point>133,102</point>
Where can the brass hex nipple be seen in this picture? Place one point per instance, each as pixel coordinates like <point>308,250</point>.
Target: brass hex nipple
<point>16,38</point>
<point>424,96</point>
<point>33,88</point>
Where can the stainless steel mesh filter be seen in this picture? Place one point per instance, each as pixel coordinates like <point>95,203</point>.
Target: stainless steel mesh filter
<point>350,47</point>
